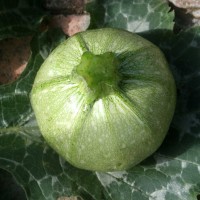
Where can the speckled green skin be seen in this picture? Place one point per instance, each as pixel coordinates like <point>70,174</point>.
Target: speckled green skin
<point>123,125</point>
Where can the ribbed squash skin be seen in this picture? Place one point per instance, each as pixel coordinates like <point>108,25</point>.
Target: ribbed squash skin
<point>119,123</point>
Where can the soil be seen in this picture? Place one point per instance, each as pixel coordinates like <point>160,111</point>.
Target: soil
<point>14,55</point>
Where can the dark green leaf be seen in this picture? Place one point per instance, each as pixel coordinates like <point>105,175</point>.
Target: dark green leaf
<point>20,17</point>
<point>134,15</point>
<point>9,189</point>
<point>39,170</point>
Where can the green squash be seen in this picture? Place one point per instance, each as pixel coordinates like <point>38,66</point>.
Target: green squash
<point>104,99</point>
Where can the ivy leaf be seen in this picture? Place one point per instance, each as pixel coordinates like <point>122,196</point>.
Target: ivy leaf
<point>134,15</point>
<point>20,17</point>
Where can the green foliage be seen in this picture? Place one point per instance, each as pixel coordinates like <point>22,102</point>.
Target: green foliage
<point>173,172</point>
<point>20,17</point>
<point>134,15</point>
